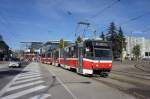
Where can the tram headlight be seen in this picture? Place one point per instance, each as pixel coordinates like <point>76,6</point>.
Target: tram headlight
<point>109,65</point>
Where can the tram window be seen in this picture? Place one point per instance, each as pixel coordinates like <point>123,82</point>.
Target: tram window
<point>88,44</point>
<point>88,53</point>
<point>103,53</point>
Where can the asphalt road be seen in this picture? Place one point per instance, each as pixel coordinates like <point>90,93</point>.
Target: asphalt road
<point>81,87</point>
<point>41,81</point>
<point>130,77</point>
<point>7,74</point>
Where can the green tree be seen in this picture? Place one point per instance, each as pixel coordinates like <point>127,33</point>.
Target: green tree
<point>102,36</point>
<point>113,37</point>
<point>136,52</point>
<point>112,32</point>
<point>122,43</point>
<point>61,43</point>
<point>78,40</point>
<point>4,48</point>
<point>117,38</point>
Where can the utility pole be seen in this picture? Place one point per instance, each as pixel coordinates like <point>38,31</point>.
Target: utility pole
<point>131,45</point>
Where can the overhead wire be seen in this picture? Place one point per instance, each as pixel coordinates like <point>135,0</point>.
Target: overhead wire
<point>105,8</point>
<point>109,6</point>
<point>135,18</point>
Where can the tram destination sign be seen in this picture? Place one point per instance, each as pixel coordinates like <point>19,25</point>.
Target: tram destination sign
<point>101,44</point>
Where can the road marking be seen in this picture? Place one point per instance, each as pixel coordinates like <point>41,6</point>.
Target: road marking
<point>7,86</point>
<point>24,85</point>
<point>25,92</point>
<point>53,74</point>
<point>20,78</point>
<point>31,72</point>
<point>26,80</point>
<point>42,96</point>
<point>28,75</point>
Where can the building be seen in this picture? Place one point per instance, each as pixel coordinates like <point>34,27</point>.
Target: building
<point>4,50</point>
<point>50,45</point>
<point>144,46</point>
<point>31,50</point>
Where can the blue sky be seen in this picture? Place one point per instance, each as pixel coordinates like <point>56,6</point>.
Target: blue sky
<point>43,20</point>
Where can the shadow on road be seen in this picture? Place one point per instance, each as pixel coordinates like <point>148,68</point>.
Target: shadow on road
<point>10,72</point>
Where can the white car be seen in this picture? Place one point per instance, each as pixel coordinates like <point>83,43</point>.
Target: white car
<point>14,64</point>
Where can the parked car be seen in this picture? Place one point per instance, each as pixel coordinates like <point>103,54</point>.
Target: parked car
<point>14,63</point>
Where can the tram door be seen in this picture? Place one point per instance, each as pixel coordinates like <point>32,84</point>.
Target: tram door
<point>80,60</point>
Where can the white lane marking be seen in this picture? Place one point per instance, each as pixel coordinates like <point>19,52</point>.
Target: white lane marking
<point>3,91</point>
<point>63,85</point>
<point>28,91</point>
<point>42,96</point>
<point>7,86</point>
<point>24,85</point>
<point>20,78</point>
<point>26,80</point>
<point>31,72</point>
<point>28,75</point>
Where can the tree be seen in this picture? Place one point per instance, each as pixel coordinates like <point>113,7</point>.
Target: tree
<point>112,32</point>
<point>1,38</point>
<point>112,36</point>
<point>120,32</point>
<point>102,36</point>
<point>61,43</point>
<point>136,51</point>
<point>118,40</point>
<point>4,48</point>
<point>122,43</point>
<point>78,40</point>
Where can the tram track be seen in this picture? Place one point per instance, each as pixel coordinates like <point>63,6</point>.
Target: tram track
<point>134,75</point>
<point>142,68</point>
<point>124,85</point>
<point>121,86</point>
<point>134,81</point>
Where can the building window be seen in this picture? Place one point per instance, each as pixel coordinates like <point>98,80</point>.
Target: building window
<point>146,53</point>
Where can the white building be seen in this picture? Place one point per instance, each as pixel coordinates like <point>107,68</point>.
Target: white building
<point>144,46</point>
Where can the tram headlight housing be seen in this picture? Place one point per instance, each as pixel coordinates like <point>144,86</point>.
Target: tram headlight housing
<point>109,65</point>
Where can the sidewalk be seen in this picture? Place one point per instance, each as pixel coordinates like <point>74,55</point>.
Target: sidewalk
<point>3,62</point>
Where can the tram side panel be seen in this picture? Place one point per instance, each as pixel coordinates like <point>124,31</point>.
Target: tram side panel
<point>71,63</point>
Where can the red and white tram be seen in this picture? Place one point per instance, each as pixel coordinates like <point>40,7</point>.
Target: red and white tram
<point>88,57</point>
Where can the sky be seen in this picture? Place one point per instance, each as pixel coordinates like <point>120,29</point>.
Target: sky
<point>43,20</point>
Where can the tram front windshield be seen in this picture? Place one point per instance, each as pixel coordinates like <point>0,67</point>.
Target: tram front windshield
<point>103,53</point>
